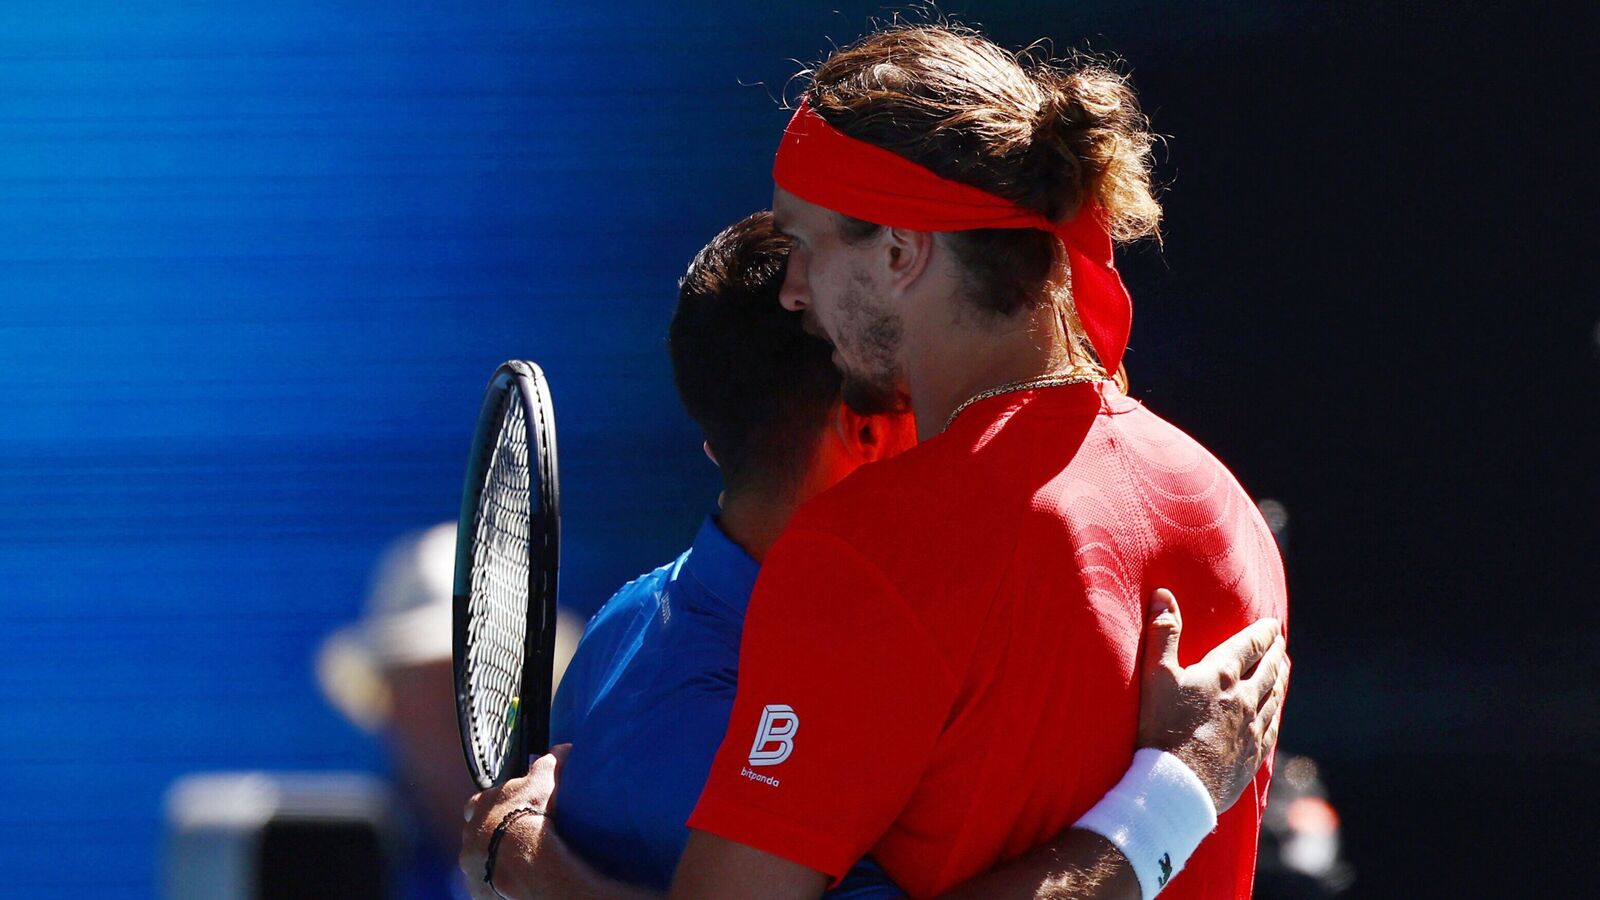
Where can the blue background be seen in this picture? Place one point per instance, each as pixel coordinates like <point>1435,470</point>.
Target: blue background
<point>258,259</point>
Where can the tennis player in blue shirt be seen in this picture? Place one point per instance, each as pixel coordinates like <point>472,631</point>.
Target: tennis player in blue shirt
<point>645,701</point>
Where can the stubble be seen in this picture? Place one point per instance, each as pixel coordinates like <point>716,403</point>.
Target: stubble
<point>874,336</point>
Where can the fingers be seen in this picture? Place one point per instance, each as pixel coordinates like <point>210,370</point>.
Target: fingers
<point>479,804</point>
<point>471,857</point>
<point>1258,686</point>
<point>542,767</point>
<point>1241,652</point>
<point>559,753</point>
<point>1273,701</point>
<point>1269,716</point>
<point>548,767</point>
<point>1269,740</point>
<point>1163,627</point>
<point>1271,676</point>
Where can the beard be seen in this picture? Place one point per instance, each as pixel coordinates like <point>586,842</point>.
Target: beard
<point>871,333</point>
<point>872,398</point>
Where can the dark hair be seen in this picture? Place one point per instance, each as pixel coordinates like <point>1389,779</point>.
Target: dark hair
<point>1040,136</point>
<point>758,386</point>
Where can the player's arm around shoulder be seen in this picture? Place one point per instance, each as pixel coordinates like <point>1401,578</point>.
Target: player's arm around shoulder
<point>741,871</point>
<point>533,863</point>
<point>1204,731</point>
<point>1217,719</point>
<point>715,867</point>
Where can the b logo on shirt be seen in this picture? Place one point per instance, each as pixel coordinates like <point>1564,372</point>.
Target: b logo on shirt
<point>775,737</point>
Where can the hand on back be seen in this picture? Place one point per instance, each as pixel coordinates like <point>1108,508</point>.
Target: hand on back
<point>1220,715</point>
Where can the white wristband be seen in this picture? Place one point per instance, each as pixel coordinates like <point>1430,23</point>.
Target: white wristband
<point>1156,815</point>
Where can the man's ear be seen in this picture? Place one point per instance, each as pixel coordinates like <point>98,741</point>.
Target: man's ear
<point>866,438</point>
<point>906,254</point>
<point>722,496</point>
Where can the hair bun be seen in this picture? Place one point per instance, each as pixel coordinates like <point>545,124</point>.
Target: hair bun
<point>1092,141</point>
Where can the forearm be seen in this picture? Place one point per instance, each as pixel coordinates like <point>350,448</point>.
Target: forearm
<point>556,871</point>
<point>1076,866</point>
<point>716,867</point>
<point>1128,845</point>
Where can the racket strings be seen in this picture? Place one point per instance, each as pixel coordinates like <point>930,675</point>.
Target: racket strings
<point>498,605</point>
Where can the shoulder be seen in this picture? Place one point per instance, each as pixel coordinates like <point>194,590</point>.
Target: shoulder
<point>949,498</point>
<point>1159,453</point>
<point>641,593</point>
<point>617,619</point>
<point>886,493</point>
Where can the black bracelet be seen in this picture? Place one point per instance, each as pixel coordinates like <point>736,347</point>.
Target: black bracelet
<point>494,842</point>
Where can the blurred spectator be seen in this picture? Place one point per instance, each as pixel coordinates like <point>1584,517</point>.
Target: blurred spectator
<point>1299,857</point>
<point>389,673</point>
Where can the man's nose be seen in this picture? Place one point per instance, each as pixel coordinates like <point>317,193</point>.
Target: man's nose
<point>793,292</point>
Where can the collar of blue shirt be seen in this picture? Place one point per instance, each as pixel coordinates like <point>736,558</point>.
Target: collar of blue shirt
<point>721,567</point>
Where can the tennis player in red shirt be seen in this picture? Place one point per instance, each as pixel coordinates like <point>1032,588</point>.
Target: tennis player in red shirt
<point>1215,724</point>
<point>926,637</point>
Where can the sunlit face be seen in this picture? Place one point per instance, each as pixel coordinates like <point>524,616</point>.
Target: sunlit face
<point>830,283</point>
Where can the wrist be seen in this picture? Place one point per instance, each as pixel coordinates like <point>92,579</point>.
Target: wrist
<point>547,867</point>
<point>1155,816</point>
<point>502,867</point>
<point>1211,772</point>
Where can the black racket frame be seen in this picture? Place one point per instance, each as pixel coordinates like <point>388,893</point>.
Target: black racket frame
<point>531,731</point>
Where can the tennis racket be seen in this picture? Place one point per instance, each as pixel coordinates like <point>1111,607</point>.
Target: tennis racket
<point>507,549</point>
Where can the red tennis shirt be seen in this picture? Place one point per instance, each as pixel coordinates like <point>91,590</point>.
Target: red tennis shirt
<point>940,661</point>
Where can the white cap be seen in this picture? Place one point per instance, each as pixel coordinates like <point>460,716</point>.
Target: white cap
<point>405,621</point>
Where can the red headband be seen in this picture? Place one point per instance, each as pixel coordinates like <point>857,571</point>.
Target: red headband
<point>822,165</point>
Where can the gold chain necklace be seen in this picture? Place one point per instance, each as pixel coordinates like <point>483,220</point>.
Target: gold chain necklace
<point>1075,375</point>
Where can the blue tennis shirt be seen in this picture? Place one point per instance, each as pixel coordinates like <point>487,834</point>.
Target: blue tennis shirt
<point>645,702</point>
